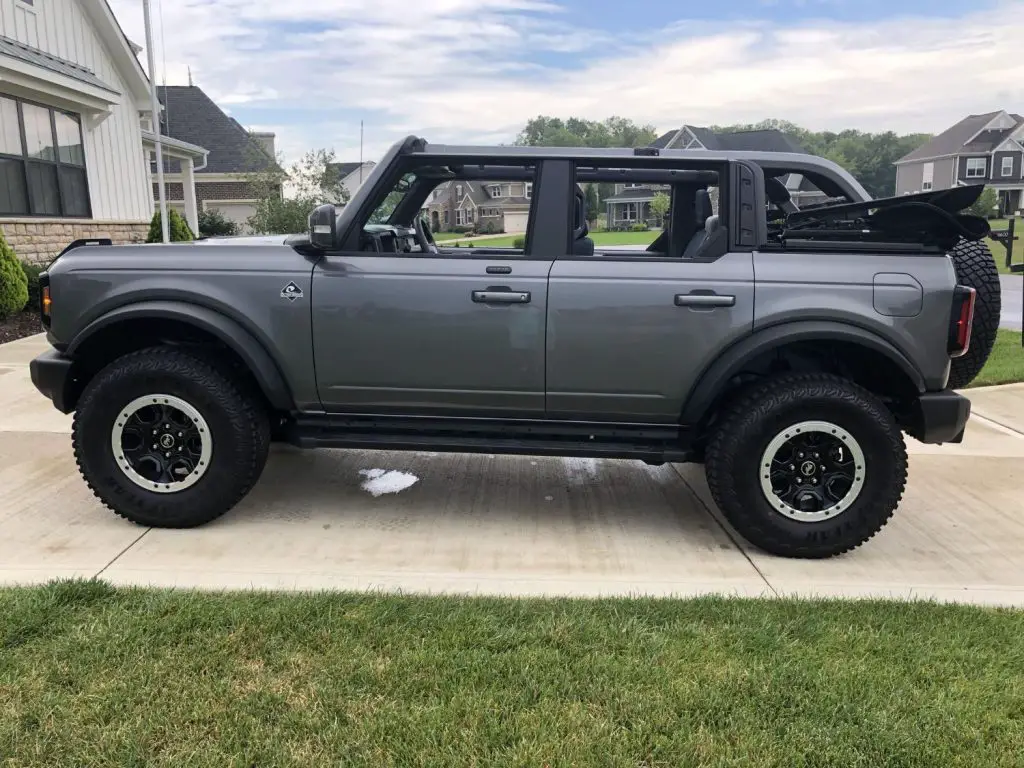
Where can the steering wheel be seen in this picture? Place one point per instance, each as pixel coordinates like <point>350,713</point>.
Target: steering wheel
<point>424,236</point>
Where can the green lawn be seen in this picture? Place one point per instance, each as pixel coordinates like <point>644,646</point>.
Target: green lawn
<point>600,238</point>
<point>96,676</point>
<point>1006,364</point>
<point>999,250</point>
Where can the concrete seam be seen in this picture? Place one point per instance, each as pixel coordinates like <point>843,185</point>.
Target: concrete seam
<point>982,417</point>
<point>726,531</point>
<point>118,555</point>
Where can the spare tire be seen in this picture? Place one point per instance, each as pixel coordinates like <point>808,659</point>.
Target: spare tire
<point>976,268</point>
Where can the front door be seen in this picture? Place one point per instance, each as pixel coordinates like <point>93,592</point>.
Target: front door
<point>418,334</point>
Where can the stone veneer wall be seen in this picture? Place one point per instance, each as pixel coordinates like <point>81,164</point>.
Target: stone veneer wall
<point>39,240</point>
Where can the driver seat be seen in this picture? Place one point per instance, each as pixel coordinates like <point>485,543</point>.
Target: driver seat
<point>709,232</point>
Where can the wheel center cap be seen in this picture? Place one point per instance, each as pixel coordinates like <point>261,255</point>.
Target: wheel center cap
<point>807,468</point>
<point>167,440</point>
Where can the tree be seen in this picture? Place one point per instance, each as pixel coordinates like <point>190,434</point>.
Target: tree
<point>985,205</point>
<point>13,282</point>
<point>544,131</point>
<point>313,180</point>
<point>213,224</point>
<point>593,207</point>
<point>660,205</point>
<point>178,229</point>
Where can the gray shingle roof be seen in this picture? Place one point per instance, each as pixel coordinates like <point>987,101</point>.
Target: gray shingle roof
<point>30,55</point>
<point>634,193</point>
<point>953,140</point>
<point>741,141</point>
<point>190,115</point>
<point>344,169</point>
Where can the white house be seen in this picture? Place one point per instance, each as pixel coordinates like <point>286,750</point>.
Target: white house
<point>352,175</point>
<point>74,109</point>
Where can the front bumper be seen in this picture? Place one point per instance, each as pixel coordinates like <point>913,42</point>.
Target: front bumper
<point>940,417</point>
<point>51,374</point>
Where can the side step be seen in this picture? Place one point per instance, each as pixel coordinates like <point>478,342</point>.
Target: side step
<point>651,443</point>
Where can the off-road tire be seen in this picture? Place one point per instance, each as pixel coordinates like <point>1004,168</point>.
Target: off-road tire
<point>237,422</point>
<point>976,268</point>
<point>734,453</point>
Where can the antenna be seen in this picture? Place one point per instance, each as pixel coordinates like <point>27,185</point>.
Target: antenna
<point>190,83</point>
<point>360,153</point>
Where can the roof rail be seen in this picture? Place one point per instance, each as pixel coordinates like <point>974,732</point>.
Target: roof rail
<point>413,144</point>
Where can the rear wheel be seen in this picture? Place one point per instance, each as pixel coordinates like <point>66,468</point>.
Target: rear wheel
<point>976,268</point>
<point>166,439</point>
<point>807,465</point>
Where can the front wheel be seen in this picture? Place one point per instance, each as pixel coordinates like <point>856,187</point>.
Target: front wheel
<point>167,439</point>
<point>807,465</point>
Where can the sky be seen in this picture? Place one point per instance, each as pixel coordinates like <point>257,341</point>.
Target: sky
<point>474,71</point>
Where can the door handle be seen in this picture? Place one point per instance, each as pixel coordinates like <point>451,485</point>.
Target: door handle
<point>704,300</point>
<point>501,297</point>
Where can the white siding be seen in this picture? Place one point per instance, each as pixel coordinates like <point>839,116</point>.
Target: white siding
<point>119,185</point>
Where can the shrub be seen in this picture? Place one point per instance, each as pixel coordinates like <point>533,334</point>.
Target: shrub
<point>490,228</point>
<point>13,283</point>
<point>213,224</point>
<point>639,228</point>
<point>985,205</point>
<point>179,231</point>
<point>519,243</point>
<point>32,276</point>
<point>462,230</point>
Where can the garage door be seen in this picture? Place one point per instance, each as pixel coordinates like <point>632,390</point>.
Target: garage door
<point>236,212</point>
<point>516,222</point>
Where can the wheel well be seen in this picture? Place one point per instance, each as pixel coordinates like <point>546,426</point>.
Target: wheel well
<point>131,335</point>
<point>869,368</point>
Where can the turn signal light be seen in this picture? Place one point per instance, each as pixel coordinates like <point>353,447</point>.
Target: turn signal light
<point>45,300</point>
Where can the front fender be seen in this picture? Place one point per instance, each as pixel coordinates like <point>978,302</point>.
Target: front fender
<point>256,357</point>
<point>731,362</point>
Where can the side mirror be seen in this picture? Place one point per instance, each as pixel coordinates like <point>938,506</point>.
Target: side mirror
<point>322,227</point>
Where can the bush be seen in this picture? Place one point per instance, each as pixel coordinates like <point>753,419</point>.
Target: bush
<point>639,228</point>
<point>32,276</point>
<point>13,283</point>
<point>519,243</point>
<point>213,224</point>
<point>462,230</point>
<point>985,205</point>
<point>490,228</point>
<point>179,231</point>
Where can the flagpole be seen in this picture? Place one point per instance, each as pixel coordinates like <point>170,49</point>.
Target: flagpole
<point>154,104</point>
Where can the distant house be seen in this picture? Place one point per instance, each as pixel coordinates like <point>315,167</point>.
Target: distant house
<point>74,106</point>
<point>980,149</point>
<point>352,175</point>
<point>485,206</point>
<point>232,156</point>
<point>631,203</point>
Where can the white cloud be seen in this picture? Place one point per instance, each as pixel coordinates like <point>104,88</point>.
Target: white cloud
<point>476,70</point>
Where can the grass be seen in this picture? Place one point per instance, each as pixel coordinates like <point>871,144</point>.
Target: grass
<point>98,676</point>
<point>600,238</point>
<point>999,250</point>
<point>1006,363</point>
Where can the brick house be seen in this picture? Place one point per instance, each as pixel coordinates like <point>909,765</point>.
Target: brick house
<point>233,156</point>
<point>74,110</point>
<point>484,206</point>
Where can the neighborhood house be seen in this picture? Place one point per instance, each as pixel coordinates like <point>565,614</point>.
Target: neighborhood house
<point>484,206</point>
<point>980,149</point>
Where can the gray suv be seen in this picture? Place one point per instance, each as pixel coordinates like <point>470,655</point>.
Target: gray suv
<point>785,343</point>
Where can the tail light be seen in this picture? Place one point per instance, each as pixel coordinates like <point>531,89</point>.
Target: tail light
<point>45,300</point>
<point>962,320</point>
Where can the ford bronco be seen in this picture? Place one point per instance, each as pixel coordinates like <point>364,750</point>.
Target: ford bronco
<point>786,340</point>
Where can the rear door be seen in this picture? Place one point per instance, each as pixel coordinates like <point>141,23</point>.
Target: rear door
<point>630,332</point>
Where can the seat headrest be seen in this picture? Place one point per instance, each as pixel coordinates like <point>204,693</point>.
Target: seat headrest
<point>702,206</point>
<point>711,225</point>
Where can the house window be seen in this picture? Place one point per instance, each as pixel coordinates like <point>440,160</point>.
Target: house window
<point>42,162</point>
<point>529,190</point>
<point>976,167</point>
<point>496,191</point>
<point>629,211</point>
<point>1007,167</point>
<point>926,186</point>
<point>927,176</point>
<point>458,191</point>
<point>463,218</point>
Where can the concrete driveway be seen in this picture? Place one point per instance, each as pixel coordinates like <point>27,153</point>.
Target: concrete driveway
<point>499,525</point>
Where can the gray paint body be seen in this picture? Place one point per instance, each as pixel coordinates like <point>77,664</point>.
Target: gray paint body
<point>614,339</point>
